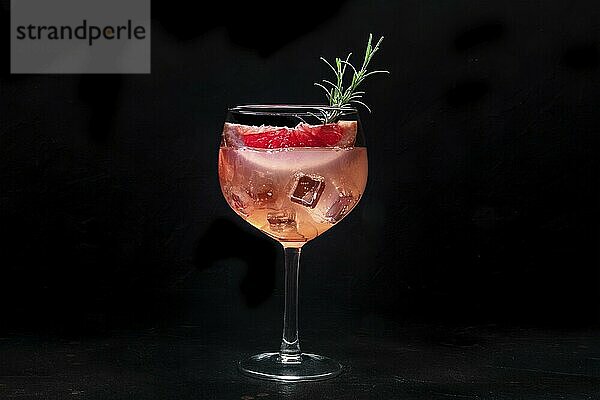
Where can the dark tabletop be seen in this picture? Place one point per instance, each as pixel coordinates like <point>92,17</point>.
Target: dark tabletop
<point>193,354</point>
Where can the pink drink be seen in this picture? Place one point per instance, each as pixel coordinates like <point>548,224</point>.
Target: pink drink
<point>293,194</point>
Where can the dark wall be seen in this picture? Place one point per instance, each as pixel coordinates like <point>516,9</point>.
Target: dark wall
<point>482,204</point>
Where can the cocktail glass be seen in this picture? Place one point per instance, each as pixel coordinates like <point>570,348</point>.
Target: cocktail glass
<point>292,176</point>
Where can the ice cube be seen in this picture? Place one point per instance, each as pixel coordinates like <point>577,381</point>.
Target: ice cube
<point>240,201</point>
<point>340,208</point>
<point>307,189</point>
<point>261,193</point>
<point>338,199</point>
<point>261,189</point>
<point>282,220</point>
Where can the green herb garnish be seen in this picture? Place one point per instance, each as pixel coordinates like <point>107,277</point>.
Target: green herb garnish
<point>340,97</point>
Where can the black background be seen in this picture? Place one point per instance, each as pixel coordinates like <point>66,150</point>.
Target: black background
<point>482,203</point>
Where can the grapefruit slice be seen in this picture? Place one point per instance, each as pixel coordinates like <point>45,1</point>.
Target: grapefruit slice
<point>340,134</point>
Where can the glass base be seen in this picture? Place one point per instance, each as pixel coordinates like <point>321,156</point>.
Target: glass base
<point>311,367</point>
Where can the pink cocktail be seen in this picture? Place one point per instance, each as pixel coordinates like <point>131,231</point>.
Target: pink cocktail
<point>293,194</point>
<point>293,174</point>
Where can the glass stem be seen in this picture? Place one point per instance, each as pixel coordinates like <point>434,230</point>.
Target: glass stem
<point>290,344</point>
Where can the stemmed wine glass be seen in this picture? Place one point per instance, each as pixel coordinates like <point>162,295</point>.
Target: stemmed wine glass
<point>293,172</point>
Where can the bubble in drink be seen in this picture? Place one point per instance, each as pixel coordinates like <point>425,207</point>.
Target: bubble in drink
<point>308,189</point>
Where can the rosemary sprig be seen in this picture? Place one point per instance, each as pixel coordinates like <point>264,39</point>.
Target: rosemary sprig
<point>340,97</point>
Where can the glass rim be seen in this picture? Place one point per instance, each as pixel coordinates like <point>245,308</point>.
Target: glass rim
<point>290,109</point>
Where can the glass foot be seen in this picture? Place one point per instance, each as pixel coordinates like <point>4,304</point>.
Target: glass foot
<point>311,367</point>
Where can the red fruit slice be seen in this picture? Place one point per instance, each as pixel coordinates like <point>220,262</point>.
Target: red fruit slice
<point>274,138</point>
<point>341,134</point>
<point>349,129</point>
